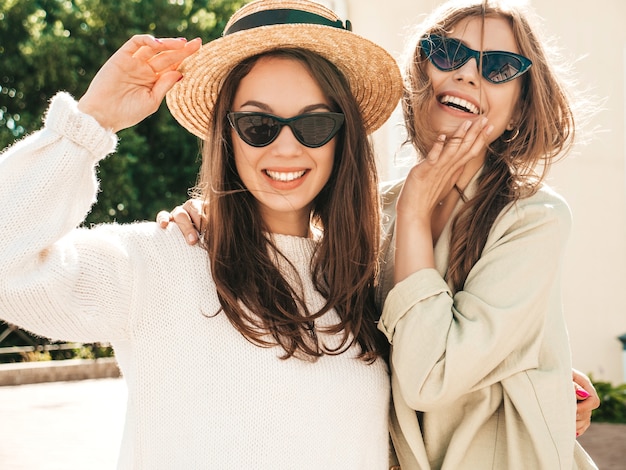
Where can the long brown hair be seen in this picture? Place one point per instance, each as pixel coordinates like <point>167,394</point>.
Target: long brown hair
<point>518,161</point>
<point>254,294</point>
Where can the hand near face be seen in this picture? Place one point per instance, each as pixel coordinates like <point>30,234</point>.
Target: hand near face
<point>426,185</point>
<point>132,84</point>
<point>433,178</point>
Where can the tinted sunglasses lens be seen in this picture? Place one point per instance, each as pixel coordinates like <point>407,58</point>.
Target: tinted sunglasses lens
<point>312,130</point>
<point>256,129</point>
<point>315,130</point>
<point>500,67</point>
<point>449,54</point>
<point>445,53</point>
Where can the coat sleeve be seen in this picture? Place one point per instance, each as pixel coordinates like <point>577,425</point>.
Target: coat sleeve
<point>445,345</point>
<point>57,280</point>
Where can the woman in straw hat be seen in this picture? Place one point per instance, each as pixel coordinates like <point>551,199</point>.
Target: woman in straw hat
<point>480,357</point>
<point>270,360</point>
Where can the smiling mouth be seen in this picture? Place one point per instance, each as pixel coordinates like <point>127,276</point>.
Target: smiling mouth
<point>285,177</point>
<point>459,103</point>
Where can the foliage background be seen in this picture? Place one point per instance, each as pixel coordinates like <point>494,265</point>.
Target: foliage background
<point>52,45</point>
<point>613,402</point>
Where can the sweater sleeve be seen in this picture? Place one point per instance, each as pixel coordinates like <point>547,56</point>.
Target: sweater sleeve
<point>445,345</point>
<point>57,280</point>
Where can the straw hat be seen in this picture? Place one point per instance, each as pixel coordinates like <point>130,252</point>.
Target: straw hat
<point>264,25</point>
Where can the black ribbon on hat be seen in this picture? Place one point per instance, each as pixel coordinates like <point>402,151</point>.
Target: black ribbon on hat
<point>283,16</point>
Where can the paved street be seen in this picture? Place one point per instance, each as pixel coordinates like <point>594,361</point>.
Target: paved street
<point>78,425</point>
<point>61,425</point>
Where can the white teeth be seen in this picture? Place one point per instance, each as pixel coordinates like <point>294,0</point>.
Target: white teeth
<point>282,176</point>
<point>459,103</point>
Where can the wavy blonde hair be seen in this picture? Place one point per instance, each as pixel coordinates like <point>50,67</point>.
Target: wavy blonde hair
<point>518,160</point>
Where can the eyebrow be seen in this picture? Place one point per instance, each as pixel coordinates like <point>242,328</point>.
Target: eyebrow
<point>306,109</point>
<point>462,41</point>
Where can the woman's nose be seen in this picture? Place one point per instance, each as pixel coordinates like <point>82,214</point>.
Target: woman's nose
<point>468,72</point>
<point>286,142</point>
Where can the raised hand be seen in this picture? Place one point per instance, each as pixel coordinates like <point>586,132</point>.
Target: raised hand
<point>131,85</point>
<point>433,178</point>
<point>425,187</point>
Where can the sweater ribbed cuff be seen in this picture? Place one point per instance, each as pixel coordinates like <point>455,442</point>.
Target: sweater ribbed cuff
<point>64,118</point>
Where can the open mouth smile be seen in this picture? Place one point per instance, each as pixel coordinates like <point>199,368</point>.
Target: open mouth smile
<point>285,177</point>
<point>459,103</point>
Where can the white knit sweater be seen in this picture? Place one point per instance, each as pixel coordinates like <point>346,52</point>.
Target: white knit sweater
<point>200,396</point>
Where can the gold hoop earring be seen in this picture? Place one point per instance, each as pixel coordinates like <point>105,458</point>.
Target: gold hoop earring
<point>511,139</point>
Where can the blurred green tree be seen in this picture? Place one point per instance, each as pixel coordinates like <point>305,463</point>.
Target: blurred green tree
<point>52,45</point>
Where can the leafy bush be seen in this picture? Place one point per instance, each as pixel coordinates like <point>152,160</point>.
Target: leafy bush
<point>613,403</point>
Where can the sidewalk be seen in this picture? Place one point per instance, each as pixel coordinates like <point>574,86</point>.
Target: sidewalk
<point>78,425</point>
<point>62,425</point>
<point>606,444</point>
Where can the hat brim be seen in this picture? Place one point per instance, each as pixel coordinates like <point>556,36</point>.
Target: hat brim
<point>372,73</point>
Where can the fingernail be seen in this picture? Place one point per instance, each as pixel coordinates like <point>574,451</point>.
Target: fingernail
<point>180,78</point>
<point>577,434</point>
<point>191,238</point>
<point>582,393</point>
<point>489,129</point>
<point>442,138</point>
<point>467,125</point>
<point>182,39</point>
